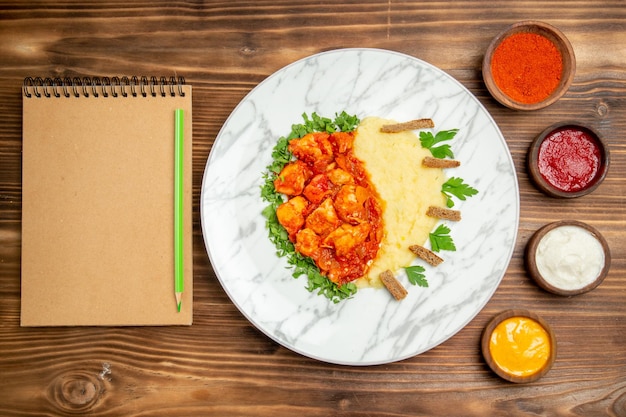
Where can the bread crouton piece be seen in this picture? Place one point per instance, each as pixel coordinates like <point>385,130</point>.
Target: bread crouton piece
<point>410,125</point>
<point>430,162</point>
<point>394,286</point>
<point>444,213</point>
<point>426,254</point>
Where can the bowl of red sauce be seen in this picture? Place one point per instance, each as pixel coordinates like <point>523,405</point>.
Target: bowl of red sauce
<point>529,65</point>
<point>568,160</point>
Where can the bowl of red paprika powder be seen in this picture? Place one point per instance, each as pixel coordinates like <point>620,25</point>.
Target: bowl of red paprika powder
<point>529,65</point>
<point>568,160</point>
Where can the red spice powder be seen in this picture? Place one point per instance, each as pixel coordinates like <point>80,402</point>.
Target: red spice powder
<point>569,159</point>
<point>527,67</point>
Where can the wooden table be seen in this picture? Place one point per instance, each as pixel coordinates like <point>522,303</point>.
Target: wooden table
<point>222,365</point>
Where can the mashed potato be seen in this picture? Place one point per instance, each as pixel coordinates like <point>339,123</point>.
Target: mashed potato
<point>394,163</point>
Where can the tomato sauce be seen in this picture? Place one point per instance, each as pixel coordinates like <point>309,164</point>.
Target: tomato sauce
<point>569,159</point>
<point>333,213</point>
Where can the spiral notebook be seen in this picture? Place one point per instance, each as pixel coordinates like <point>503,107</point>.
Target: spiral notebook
<point>98,202</point>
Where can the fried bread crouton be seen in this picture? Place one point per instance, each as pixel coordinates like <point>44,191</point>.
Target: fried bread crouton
<point>444,213</point>
<point>431,162</point>
<point>426,254</point>
<point>394,286</point>
<point>410,125</point>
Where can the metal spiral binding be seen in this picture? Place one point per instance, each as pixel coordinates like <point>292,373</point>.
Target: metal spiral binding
<point>102,86</point>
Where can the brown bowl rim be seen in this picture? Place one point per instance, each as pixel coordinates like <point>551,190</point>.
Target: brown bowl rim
<point>547,188</point>
<point>552,33</point>
<point>531,264</point>
<point>489,328</point>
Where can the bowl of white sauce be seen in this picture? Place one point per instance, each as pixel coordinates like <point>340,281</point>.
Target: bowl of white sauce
<point>568,257</point>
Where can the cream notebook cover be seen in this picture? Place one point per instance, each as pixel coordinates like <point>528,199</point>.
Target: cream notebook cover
<point>98,202</point>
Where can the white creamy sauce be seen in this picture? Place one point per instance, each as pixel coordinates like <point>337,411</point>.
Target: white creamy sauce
<point>569,257</point>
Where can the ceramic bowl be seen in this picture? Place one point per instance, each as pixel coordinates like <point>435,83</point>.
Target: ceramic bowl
<point>489,359</point>
<point>550,189</point>
<point>557,38</point>
<point>551,285</point>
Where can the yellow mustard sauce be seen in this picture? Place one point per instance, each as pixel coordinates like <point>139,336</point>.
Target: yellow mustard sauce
<point>520,346</point>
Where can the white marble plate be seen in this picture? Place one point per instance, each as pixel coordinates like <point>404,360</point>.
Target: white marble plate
<point>370,328</point>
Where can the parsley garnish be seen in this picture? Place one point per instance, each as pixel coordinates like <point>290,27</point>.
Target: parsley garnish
<point>346,123</point>
<point>429,141</point>
<point>281,156</point>
<point>440,239</point>
<point>343,122</point>
<point>456,187</point>
<point>416,276</point>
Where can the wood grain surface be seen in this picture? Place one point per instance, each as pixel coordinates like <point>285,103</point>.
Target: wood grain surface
<point>222,365</point>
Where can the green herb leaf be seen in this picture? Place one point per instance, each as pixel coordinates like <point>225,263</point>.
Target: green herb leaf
<point>456,187</point>
<point>440,239</point>
<point>441,152</point>
<point>280,155</point>
<point>345,122</point>
<point>416,276</point>
<point>319,124</point>
<point>276,232</point>
<point>429,141</point>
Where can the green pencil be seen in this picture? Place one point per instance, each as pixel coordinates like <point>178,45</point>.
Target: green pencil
<point>179,279</point>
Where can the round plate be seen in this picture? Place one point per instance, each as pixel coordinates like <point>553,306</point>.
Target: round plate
<point>370,328</point>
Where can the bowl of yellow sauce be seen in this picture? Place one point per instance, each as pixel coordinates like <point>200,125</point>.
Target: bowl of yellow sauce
<point>519,346</point>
